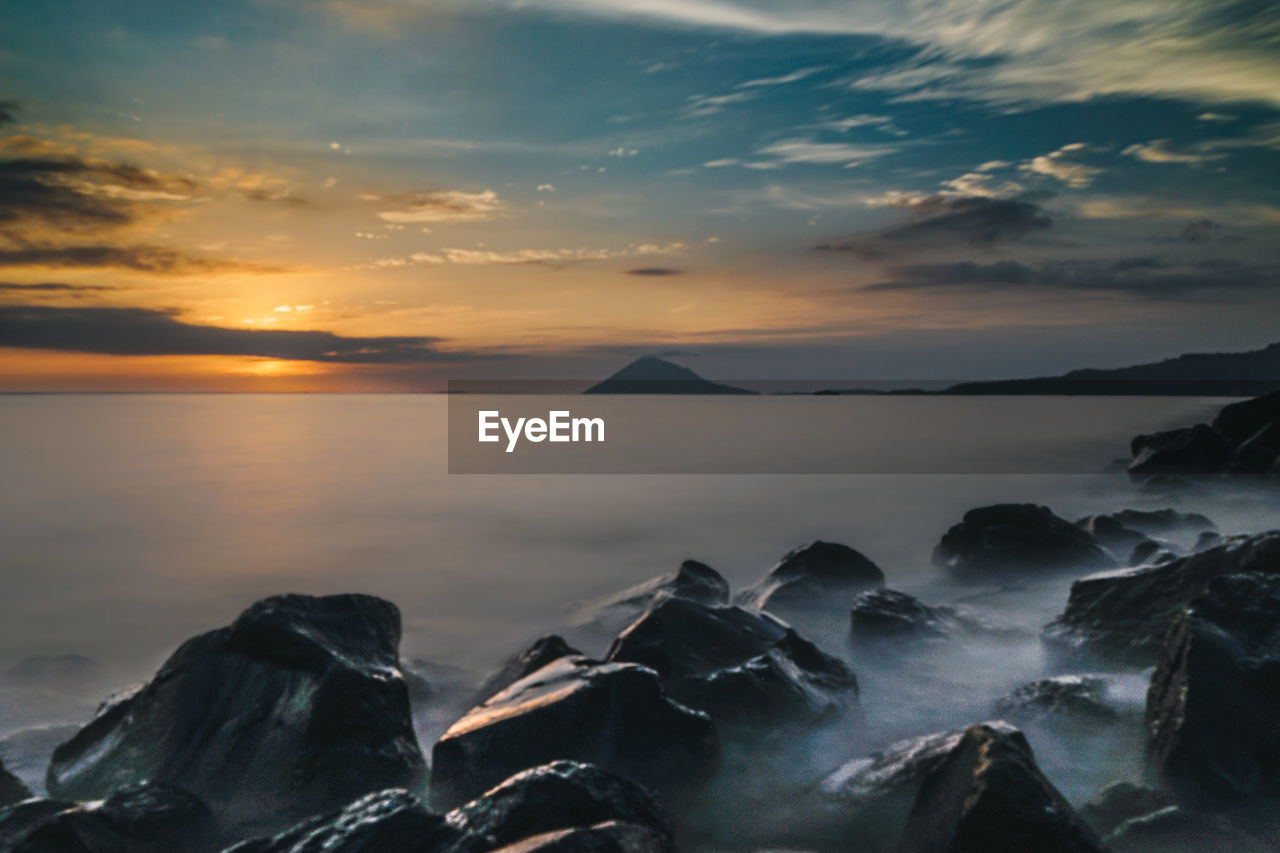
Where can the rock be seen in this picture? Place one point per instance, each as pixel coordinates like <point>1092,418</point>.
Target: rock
<point>1239,422</point>
<point>1014,538</point>
<point>543,651</point>
<point>614,715</point>
<point>1162,522</point>
<point>1215,694</point>
<point>1176,828</point>
<point>390,821</point>
<point>1206,540</point>
<point>1259,454</point>
<point>558,796</point>
<point>869,799</point>
<point>1072,697</point>
<point>609,837</point>
<point>295,709</point>
<point>988,796</point>
<point>1122,801</point>
<point>1191,450</point>
<point>1123,616</point>
<point>1112,534</point>
<point>887,613</point>
<point>1150,551</point>
<point>738,665</point>
<point>692,580</point>
<point>11,788</point>
<point>822,575</point>
<point>142,819</point>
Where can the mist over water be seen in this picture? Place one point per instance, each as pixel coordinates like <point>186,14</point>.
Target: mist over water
<point>134,522</point>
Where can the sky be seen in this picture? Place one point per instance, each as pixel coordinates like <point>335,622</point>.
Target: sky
<point>344,195</point>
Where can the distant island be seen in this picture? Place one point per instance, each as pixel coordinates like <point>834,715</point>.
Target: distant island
<point>650,375</point>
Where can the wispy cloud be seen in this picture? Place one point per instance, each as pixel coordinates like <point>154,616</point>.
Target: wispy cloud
<point>440,207</point>
<point>1061,165</point>
<point>808,151</point>
<point>156,260</point>
<point>781,80</point>
<point>543,257</point>
<point>1160,151</point>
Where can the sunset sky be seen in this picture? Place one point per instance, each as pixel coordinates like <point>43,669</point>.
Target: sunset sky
<point>385,194</point>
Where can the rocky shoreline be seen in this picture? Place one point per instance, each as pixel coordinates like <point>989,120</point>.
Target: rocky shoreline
<point>677,715</point>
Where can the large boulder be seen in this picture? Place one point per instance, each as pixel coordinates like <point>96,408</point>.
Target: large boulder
<point>1260,453</point>
<point>11,788</point>
<point>1191,450</point>
<point>866,801</point>
<point>1123,616</point>
<point>821,576</point>
<point>738,665</point>
<point>1214,700</point>
<point>557,796</point>
<point>543,651</point>
<point>1062,697</point>
<point>296,708</point>
<point>610,614</point>
<point>142,819</point>
<point>614,715</point>
<point>1014,538</point>
<point>1239,422</point>
<point>988,796</point>
<point>888,614</point>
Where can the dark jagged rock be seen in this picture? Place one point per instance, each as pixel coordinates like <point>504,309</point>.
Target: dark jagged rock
<point>1215,695</point>
<point>692,580</point>
<point>887,613</point>
<point>1191,450</point>
<point>558,796</point>
<point>869,799</point>
<point>1124,615</point>
<point>1206,540</point>
<point>1077,697</point>
<point>1259,454</point>
<point>614,715</point>
<point>142,819</point>
<point>1112,534</point>
<point>988,796</point>
<point>296,708</point>
<point>821,575</point>
<point>1150,551</point>
<point>11,788</point>
<point>390,821</point>
<point>737,665</point>
<point>543,651</point>
<point>1162,522</point>
<point>1175,828</point>
<point>1240,421</point>
<point>1014,538</point>
<point>608,837</point>
<point>1122,801</point>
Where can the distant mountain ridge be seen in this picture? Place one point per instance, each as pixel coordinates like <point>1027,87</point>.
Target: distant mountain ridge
<point>651,375</point>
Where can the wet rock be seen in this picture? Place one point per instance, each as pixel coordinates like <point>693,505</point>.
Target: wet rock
<point>1192,450</point>
<point>1069,697</point>
<point>1259,454</point>
<point>819,576</point>
<point>1240,421</point>
<point>558,796</point>
<point>1215,694</point>
<point>1151,551</point>
<point>988,796</point>
<point>1205,541</point>
<point>609,837</point>
<point>692,580</point>
<point>1015,538</point>
<point>1175,828</point>
<point>297,707</point>
<point>737,665</point>
<point>614,715</point>
<point>1123,616</point>
<point>543,651</point>
<point>867,800</point>
<point>1122,801</point>
<point>887,613</point>
<point>142,819</point>
<point>11,788</point>
<point>387,821</point>
<point>1162,522</point>
<point>1112,534</point>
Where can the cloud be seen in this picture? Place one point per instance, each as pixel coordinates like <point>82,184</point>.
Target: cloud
<point>8,112</point>
<point>1144,277</point>
<point>53,288</point>
<point>1058,164</point>
<point>655,271</point>
<point>441,206</point>
<point>546,188</point>
<point>1200,231</point>
<point>143,331</point>
<point>942,222</point>
<point>701,106</point>
<point>545,257</point>
<point>781,80</point>
<point>790,151</point>
<point>623,152</point>
<point>1158,151</point>
<point>156,260</point>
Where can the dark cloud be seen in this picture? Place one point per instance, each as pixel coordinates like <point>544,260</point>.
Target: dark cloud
<point>655,271</point>
<point>8,112</point>
<point>52,288</point>
<point>941,222</point>
<point>1146,277</point>
<point>142,331</point>
<point>149,259</point>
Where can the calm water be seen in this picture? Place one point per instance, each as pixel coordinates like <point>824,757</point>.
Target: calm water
<point>130,522</point>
